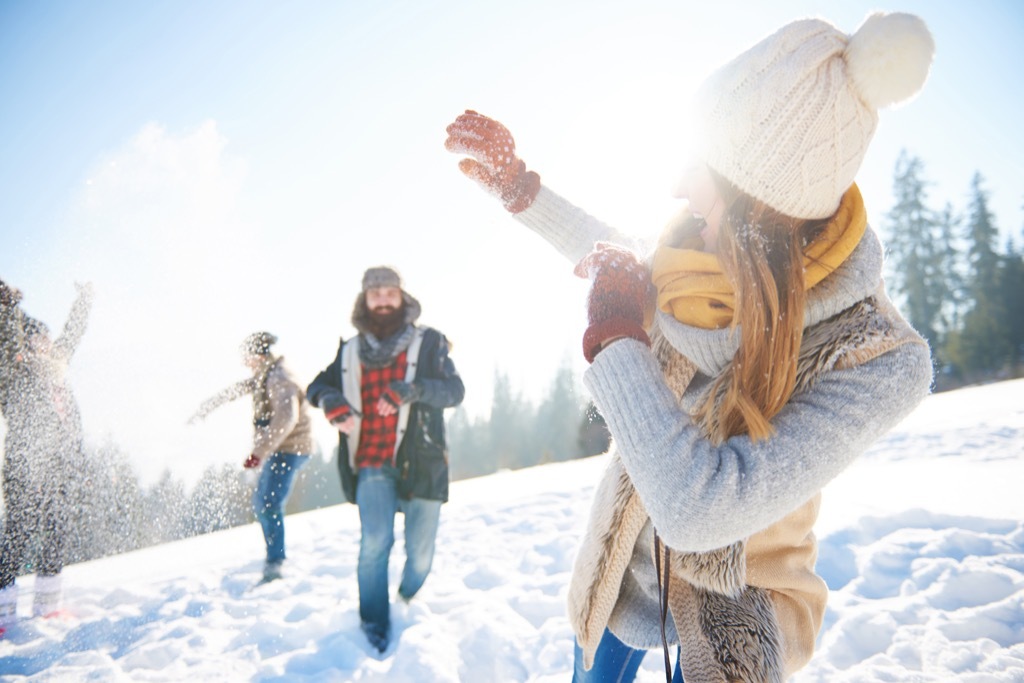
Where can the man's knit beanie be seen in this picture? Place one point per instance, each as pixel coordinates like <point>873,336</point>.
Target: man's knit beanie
<point>789,120</point>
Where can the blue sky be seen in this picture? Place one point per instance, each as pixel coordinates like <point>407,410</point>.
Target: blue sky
<point>216,168</point>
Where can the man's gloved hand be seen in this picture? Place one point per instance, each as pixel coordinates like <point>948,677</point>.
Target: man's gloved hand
<point>399,393</point>
<point>620,287</point>
<point>493,161</point>
<point>336,409</point>
<point>251,462</point>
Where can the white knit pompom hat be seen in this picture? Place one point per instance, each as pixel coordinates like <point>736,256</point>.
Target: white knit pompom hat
<point>789,120</point>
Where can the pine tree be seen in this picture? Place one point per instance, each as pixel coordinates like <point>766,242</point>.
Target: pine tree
<point>164,509</point>
<point>951,311</point>
<point>469,446</point>
<point>558,418</point>
<point>1012,291</point>
<point>982,347</point>
<point>982,236</point>
<point>218,501</point>
<point>104,498</point>
<point>512,439</point>
<point>919,256</point>
<point>950,270</point>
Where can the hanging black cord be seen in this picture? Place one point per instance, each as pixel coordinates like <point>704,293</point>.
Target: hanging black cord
<point>663,601</point>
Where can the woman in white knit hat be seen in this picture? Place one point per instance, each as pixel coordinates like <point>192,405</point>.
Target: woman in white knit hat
<point>742,363</point>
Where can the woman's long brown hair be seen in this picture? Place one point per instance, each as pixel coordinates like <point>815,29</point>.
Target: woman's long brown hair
<point>761,252</point>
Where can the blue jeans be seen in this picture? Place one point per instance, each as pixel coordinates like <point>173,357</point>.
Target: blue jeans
<point>276,481</point>
<point>614,662</point>
<point>378,502</point>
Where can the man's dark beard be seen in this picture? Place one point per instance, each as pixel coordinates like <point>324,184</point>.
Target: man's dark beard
<point>385,321</point>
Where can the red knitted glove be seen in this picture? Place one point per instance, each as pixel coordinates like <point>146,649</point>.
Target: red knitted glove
<point>618,295</point>
<point>494,163</point>
<point>338,414</point>
<point>251,462</point>
<point>336,408</point>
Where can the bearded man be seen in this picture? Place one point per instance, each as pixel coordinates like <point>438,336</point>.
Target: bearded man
<point>386,392</point>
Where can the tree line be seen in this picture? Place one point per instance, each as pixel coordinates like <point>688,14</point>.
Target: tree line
<point>519,433</point>
<point>957,286</point>
<point>112,511</point>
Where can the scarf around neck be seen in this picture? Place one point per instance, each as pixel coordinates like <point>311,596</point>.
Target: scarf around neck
<point>377,353</point>
<point>693,289</point>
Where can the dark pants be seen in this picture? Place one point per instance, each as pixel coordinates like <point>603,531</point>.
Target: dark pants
<point>35,505</point>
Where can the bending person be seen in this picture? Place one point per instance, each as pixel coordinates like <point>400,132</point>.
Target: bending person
<point>282,442</point>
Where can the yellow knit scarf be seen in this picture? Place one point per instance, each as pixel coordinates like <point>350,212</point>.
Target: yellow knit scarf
<point>691,286</point>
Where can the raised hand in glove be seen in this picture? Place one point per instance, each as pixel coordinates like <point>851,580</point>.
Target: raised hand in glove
<point>620,288</point>
<point>251,462</point>
<point>493,161</point>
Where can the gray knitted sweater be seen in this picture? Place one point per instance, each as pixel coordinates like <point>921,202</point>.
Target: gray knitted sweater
<point>700,496</point>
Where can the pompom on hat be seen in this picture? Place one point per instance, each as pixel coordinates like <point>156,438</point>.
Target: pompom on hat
<point>789,120</point>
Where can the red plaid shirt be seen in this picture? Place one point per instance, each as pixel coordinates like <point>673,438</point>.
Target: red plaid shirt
<point>378,434</point>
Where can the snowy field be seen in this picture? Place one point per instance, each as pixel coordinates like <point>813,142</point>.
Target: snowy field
<point>922,543</point>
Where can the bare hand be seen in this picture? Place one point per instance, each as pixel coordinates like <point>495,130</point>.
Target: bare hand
<point>384,408</point>
<point>347,425</point>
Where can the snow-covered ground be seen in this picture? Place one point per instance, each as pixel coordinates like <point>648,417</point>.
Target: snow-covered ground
<point>922,543</point>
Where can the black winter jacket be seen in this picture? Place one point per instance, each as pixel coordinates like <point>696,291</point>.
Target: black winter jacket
<point>422,455</point>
